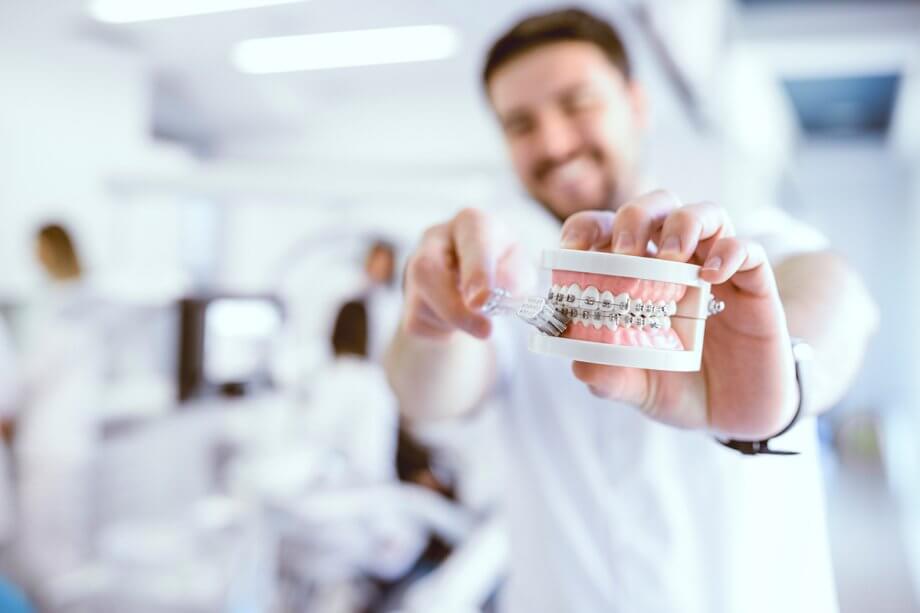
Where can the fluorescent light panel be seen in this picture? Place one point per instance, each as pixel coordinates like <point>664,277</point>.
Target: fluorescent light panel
<point>344,49</point>
<point>126,11</point>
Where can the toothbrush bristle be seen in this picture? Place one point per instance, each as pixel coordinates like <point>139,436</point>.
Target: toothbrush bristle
<point>541,314</point>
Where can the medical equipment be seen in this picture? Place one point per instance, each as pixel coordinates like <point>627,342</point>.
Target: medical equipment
<point>626,310</point>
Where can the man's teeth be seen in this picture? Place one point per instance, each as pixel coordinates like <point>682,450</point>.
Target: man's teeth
<point>570,170</point>
<point>590,306</point>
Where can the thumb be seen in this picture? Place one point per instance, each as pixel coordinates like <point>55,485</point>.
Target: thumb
<point>628,385</point>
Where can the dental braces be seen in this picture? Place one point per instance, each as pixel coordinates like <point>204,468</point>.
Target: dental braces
<point>591,306</point>
<point>617,311</point>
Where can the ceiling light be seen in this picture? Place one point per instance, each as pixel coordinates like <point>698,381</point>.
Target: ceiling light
<point>343,49</point>
<point>125,11</point>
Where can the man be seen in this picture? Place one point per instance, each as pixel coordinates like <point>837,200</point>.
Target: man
<point>621,499</point>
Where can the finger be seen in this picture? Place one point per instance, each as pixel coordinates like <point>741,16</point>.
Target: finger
<point>637,220</point>
<point>478,246</point>
<point>587,230</point>
<point>743,262</point>
<point>686,227</point>
<point>419,320</point>
<point>629,385</point>
<point>435,284</point>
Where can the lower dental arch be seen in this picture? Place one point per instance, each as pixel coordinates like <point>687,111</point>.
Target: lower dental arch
<point>603,308</point>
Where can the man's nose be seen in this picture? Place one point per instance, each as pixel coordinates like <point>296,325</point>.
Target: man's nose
<point>556,137</point>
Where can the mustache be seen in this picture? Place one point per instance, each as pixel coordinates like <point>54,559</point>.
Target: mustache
<point>546,165</point>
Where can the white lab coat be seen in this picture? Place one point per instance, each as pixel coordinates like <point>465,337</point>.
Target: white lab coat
<point>9,393</point>
<point>610,511</point>
<point>353,413</point>
<point>61,379</point>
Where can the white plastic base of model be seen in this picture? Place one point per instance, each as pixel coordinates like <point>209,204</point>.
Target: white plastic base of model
<point>604,263</point>
<point>690,323</point>
<point>615,355</point>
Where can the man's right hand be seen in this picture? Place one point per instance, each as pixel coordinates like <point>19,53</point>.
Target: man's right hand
<point>450,275</point>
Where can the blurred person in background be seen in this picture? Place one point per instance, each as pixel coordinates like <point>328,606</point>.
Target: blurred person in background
<point>352,414</point>
<point>619,496</point>
<point>352,405</point>
<point>62,371</point>
<point>381,296</point>
<point>12,600</point>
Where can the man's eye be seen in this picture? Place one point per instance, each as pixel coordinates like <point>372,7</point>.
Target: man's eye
<point>518,127</point>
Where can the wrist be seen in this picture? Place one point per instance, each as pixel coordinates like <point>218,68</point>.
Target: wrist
<point>801,353</point>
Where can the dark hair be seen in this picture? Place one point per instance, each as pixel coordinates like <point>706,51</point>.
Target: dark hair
<point>62,260</point>
<point>349,336</point>
<point>556,27</point>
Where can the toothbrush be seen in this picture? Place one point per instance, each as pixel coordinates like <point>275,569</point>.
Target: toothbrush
<point>534,310</point>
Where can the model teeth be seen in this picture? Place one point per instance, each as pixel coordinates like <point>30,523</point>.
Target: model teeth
<point>591,307</point>
<point>572,295</point>
<point>590,298</point>
<point>606,303</point>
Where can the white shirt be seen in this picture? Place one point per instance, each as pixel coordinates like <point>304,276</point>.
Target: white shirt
<point>611,511</point>
<point>353,412</point>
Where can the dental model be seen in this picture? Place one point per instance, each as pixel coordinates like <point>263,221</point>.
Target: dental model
<point>626,311</point>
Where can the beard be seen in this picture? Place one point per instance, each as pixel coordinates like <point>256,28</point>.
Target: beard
<point>609,194</point>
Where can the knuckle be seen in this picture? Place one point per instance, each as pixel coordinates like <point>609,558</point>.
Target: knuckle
<point>423,267</point>
<point>426,267</point>
<point>433,233</point>
<point>472,216</point>
<point>631,214</point>
<point>667,194</point>
<point>684,217</point>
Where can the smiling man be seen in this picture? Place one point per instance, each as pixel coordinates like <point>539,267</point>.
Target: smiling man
<point>620,496</point>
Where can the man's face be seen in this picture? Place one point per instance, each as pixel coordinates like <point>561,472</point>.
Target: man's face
<point>572,124</point>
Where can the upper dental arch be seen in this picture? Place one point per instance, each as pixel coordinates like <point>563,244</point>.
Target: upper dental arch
<point>604,308</point>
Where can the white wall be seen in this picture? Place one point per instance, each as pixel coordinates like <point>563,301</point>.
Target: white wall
<point>860,195</point>
<point>71,112</point>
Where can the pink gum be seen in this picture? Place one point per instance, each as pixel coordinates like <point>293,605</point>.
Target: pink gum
<point>645,290</point>
<point>631,337</point>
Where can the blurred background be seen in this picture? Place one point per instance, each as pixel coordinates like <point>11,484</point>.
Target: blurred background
<point>200,249</point>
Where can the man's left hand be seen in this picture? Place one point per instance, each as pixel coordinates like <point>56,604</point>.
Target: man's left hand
<point>746,385</point>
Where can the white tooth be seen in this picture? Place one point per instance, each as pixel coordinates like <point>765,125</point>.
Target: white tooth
<point>671,308</point>
<point>561,293</point>
<point>597,319</point>
<point>636,306</point>
<point>606,304</point>
<point>661,309</point>
<point>665,323</point>
<point>589,298</point>
<point>556,293</point>
<point>621,304</point>
<point>640,321</point>
<point>612,321</point>
<point>649,309</point>
<point>573,295</point>
<point>627,320</point>
<point>654,323</point>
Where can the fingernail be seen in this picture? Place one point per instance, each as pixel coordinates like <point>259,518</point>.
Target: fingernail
<point>625,243</point>
<point>713,263</point>
<point>571,241</point>
<point>670,245</point>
